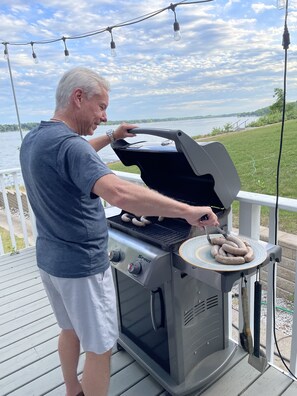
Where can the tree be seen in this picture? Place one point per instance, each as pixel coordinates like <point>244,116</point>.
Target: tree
<point>278,105</point>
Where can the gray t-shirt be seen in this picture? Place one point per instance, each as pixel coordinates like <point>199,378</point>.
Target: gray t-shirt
<point>60,169</point>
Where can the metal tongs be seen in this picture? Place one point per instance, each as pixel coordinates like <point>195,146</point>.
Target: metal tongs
<point>220,231</point>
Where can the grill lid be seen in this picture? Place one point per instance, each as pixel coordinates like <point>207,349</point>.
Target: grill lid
<point>196,173</point>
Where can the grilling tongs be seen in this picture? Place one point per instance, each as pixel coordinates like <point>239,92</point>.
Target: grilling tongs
<point>220,231</point>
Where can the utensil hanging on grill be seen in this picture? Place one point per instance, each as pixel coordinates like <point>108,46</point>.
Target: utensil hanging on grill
<point>246,339</point>
<point>258,359</point>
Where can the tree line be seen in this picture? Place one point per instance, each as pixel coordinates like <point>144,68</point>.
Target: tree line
<point>29,125</point>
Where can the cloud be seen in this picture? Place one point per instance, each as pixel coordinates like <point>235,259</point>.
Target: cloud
<point>230,55</point>
<point>262,7</point>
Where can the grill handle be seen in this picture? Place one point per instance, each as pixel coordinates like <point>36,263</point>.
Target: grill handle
<point>170,134</point>
<point>154,293</point>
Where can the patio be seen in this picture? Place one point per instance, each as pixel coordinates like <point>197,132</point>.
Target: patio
<point>29,358</point>
<point>28,342</point>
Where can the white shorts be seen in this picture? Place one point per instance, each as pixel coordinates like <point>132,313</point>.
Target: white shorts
<point>87,306</point>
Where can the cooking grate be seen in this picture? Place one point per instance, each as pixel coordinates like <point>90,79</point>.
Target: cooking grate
<point>165,234</point>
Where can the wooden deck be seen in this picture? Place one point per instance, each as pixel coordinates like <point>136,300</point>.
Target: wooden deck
<point>29,362</point>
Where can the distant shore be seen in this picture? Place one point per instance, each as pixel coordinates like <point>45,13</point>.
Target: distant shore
<point>29,125</point>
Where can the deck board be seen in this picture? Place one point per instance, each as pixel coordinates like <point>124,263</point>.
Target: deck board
<point>29,362</point>
<point>273,381</point>
<point>291,390</point>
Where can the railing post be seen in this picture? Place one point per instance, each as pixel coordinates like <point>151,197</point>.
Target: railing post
<point>21,209</point>
<point>271,285</point>
<point>7,212</point>
<point>1,246</point>
<point>249,220</point>
<point>293,358</point>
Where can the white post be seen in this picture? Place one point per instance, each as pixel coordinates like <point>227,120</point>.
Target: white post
<point>271,285</point>
<point>293,359</point>
<point>1,246</point>
<point>7,212</point>
<point>21,209</point>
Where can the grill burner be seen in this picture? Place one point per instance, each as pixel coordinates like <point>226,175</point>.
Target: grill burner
<point>166,234</point>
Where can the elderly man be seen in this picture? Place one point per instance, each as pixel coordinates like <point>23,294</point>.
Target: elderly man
<point>65,179</point>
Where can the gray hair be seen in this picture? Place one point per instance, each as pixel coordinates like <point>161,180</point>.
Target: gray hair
<point>79,77</point>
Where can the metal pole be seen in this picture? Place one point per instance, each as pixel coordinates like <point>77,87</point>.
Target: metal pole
<point>13,90</point>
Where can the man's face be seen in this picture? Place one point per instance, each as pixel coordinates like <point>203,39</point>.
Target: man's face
<point>92,112</point>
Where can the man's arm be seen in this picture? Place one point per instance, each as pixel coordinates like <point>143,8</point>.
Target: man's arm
<point>142,201</point>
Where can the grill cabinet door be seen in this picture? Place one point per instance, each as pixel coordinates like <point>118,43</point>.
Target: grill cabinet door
<point>145,328</point>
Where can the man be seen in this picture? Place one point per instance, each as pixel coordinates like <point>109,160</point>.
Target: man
<point>65,179</point>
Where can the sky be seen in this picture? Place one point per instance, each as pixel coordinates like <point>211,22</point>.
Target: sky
<point>229,59</point>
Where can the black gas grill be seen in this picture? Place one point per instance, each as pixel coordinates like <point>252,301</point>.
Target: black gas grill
<point>173,317</point>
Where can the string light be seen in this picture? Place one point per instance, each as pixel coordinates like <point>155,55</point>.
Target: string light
<point>5,52</point>
<point>34,56</point>
<point>112,43</point>
<point>66,52</point>
<point>176,28</point>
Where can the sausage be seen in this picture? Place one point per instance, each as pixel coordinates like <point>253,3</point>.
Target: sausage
<point>231,251</point>
<point>144,220</point>
<point>214,250</point>
<point>250,254</point>
<point>236,240</point>
<point>230,255</point>
<point>237,251</point>
<point>229,260</point>
<point>126,217</point>
<point>222,252</point>
<point>218,241</point>
<point>138,223</point>
<point>221,240</point>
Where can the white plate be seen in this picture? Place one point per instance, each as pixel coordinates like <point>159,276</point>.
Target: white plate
<point>196,251</point>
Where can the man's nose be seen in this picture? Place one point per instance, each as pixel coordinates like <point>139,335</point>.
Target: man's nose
<point>103,117</point>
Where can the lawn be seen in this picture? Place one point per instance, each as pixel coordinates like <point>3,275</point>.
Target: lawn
<point>7,246</point>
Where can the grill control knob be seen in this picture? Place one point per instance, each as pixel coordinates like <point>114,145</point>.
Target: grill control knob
<point>135,268</point>
<point>115,256</point>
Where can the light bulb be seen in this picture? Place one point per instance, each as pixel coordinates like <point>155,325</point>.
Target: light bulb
<point>5,52</point>
<point>34,56</point>
<point>177,35</point>
<point>113,51</point>
<point>66,53</point>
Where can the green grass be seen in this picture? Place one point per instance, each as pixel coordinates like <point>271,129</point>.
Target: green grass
<point>255,154</point>
<point>7,242</point>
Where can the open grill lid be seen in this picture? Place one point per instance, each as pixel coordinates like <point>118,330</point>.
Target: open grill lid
<point>196,173</point>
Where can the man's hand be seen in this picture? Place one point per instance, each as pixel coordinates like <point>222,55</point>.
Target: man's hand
<point>201,216</point>
<point>122,131</point>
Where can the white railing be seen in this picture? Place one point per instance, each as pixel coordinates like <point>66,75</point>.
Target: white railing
<point>16,214</point>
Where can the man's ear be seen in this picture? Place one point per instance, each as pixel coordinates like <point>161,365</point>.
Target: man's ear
<point>77,95</point>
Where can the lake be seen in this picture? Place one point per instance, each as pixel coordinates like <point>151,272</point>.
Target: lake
<point>10,141</point>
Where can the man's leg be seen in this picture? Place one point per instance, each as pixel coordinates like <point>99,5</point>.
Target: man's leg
<point>69,349</point>
<point>95,379</point>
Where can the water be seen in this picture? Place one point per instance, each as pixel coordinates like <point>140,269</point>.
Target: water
<point>10,142</point>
